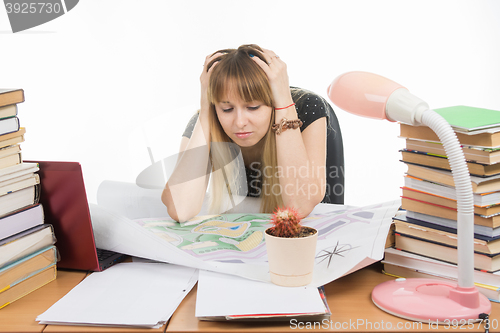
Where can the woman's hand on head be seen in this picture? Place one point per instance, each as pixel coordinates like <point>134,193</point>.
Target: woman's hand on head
<point>205,78</point>
<point>276,72</point>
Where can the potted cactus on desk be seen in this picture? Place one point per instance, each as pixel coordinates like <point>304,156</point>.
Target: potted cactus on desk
<point>291,248</point>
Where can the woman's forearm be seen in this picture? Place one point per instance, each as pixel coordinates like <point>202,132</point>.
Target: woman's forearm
<point>185,190</point>
<point>301,156</point>
<point>301,163</point>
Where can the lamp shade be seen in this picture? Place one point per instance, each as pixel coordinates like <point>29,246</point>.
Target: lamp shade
<point>362,93</point>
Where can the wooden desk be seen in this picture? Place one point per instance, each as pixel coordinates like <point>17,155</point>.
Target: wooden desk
<point>350,302</point>
<point>20,316</point>
<point>348,298</point>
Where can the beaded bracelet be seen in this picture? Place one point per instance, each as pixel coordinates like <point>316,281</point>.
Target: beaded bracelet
<point>285,124</point>
<point>286,107</point>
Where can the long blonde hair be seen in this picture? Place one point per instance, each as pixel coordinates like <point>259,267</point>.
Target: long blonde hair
<point>236,70</point>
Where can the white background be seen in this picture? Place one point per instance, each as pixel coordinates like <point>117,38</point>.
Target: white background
<point>112,77</point>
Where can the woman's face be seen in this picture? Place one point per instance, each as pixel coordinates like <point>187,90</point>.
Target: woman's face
<point>246,123</point>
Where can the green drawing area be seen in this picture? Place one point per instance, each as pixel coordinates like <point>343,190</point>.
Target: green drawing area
<point>236,232</point>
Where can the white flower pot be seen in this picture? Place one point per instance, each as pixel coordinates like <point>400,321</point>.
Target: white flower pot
<point>291,260</point>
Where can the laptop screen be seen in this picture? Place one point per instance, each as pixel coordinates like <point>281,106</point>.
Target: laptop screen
<point>65,206</point>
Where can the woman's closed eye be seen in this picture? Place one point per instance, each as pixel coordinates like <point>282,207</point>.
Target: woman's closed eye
<point>249,108</point>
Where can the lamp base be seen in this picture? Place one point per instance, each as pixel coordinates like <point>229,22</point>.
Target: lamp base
<point>428,300</point>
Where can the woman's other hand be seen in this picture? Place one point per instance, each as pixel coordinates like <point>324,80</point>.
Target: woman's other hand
<point>276,72</point>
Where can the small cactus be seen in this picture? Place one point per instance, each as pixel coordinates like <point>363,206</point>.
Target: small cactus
<point>286,223</point>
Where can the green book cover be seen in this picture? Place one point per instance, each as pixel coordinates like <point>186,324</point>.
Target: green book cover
<point>467,118</point>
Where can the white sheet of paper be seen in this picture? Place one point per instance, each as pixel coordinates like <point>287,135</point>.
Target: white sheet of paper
<point>132,201</point>
<point>223,295</point>
<point>349,238</point>
<point>127,294</point>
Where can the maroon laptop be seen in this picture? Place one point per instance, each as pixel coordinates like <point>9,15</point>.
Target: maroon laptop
<point>65,206</point>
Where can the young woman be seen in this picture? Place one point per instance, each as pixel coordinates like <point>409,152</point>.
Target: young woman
<point>279,133</point>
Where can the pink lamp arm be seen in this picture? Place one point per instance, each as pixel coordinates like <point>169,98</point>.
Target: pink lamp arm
<point>362,93</point>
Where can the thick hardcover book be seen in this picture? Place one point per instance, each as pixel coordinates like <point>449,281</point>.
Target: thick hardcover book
<point>10,160</point>
<point>425,133</point>
<point>18,183</point>
<point>26,267</point>
<point>480,199</point>
<point>444,235</point>
<point>17,170</point>
<point>25,243</point>
<point>9,125</point>
<point>473,126</point>
<point>27,286</point>
<point>9,150</point>
<point>441,162</point>
<point>21,220</point>
<point>434,209</point>
<point>14,201</point>
<point>446,228</point>
<point>471,153</point>
<point>448,253</point>
<point>12,138</point>
<point>479,184</point>
<point>468,119</point>
<point>447,202</point>
<point>8,111</point>
<point>11,96</point>
<point>478,229</point>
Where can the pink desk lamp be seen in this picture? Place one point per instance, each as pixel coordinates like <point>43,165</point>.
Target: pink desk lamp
<point>374,96</point>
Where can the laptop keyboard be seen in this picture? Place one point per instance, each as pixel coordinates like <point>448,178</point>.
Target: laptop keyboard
<point>104,254</point>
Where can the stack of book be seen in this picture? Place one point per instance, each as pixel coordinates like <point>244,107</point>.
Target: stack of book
<point>426,236</point>
<point>27,253</point>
